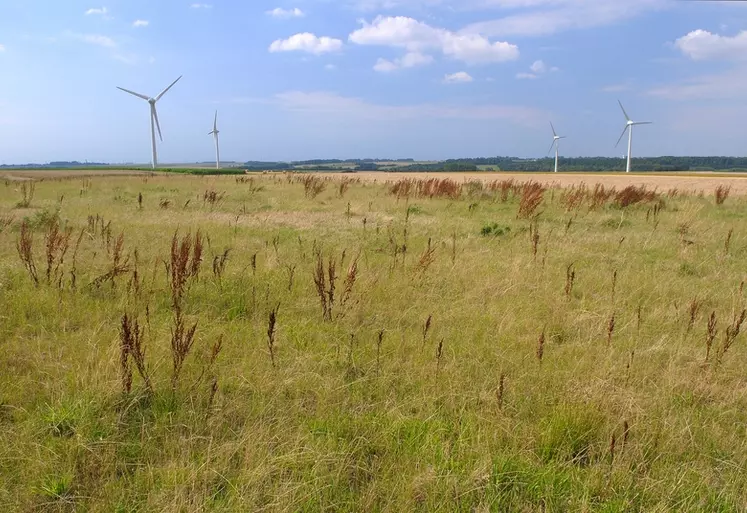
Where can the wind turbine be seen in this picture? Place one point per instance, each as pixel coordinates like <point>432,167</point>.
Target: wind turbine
<point>215,133</point>
<point>629,127</point>
<point>555,142</point>
<point>153,117</point>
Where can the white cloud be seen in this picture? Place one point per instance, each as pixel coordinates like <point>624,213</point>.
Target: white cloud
<point>332,103</point>
<point>416,36</point>
<point>281,13</point>
<point>330,67</point>
<point>2,48</point>
<point>409,60</point>
<point>102,11</point>
<point>544,17</point>
<point>538,68</point>
<point>307,42</point>
<point>200,6</point>
<point>458,77</point>
<point>93,39</point>
<point>703,45</point>
<point>140,23</point>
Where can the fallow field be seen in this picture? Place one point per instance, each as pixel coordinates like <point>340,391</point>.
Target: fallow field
<point>307,343</point>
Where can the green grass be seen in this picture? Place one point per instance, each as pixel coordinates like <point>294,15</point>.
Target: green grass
<point>340,423</point>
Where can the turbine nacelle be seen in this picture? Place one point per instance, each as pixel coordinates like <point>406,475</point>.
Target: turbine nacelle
<point>215,133</point>
<point>555,144</point>
<point>629,124</point>
<point>154,124</point>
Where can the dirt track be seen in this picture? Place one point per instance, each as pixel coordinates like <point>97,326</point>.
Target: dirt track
<point>686,182</point>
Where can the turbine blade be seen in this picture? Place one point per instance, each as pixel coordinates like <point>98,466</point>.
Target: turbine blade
<point>215,123</point>
<point>621,135</point>
<point>133,93</point>
<point>643,123</point>
<point>623,109</point>
<point>165,90</point>
<point>154,113</point>
<point>563,137</point>
<point>553,130</point>
<point>551,147</point>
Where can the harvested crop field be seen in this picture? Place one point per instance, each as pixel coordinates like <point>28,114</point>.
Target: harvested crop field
<point>35,174</point>
<point>684,182</point>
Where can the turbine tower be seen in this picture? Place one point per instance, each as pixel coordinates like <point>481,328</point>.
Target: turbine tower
<point>629,127</point>
<point>153,117</point>
<point>215,133</point>
<point>555,142</point>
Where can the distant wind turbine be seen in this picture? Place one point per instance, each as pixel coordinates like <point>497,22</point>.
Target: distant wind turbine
<point>153,117</point>
<point>555,142</point>
<point>215,133</point>
<point>629,127</point>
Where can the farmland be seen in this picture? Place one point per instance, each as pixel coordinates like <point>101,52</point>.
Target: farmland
<point>373,342</point>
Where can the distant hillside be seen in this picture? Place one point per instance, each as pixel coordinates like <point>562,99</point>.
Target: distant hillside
<point>468,164</point>
<point>514,164</point>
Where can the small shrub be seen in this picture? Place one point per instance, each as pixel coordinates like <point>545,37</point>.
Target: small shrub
<point>495,229</point>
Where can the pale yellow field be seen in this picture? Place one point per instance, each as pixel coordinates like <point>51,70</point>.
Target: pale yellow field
<point>706,182</point>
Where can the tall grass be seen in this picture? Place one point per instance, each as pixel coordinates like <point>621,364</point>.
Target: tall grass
<point>552,365</point>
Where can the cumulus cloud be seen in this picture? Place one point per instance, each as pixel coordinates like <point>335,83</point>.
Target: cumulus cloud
<point>701,45</point>
<point>416,36</point>
<point>307,42</point>
<point>538,68</point>
<point>101,11</point>
<point>458,77</point>
<point>140,23</point>
<point>281,13</point>
<point>409,60</point>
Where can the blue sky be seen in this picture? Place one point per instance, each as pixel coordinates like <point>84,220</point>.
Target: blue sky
<point>428,79</point>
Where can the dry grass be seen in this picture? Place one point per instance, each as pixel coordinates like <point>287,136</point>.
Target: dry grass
<point>555,365</point>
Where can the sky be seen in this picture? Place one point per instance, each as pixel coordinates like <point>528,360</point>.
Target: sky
<point>423,79</point>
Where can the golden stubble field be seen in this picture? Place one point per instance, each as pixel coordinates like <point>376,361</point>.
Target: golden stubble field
<point>685,182</point>
<point>288,342</point>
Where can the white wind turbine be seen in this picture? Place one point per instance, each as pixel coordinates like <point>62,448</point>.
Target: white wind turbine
<point>215,133</point>
<point>555,142</point>
<point>629,127</point>
<point>153,117</point>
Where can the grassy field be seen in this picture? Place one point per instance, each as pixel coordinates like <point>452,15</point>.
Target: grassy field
<point>485,347</point>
